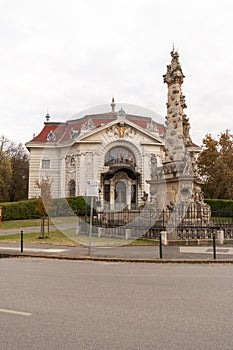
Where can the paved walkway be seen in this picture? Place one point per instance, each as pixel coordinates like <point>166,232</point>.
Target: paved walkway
<point>134,253</point>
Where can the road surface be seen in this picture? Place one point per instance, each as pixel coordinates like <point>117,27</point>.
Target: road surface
<point>52,304</point>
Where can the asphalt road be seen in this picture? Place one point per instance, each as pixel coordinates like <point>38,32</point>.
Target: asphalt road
<point>52,304</point>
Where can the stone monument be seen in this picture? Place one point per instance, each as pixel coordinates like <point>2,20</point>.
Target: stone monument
<point>181,188</point>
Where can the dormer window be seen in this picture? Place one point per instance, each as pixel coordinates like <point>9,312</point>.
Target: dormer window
<point>51,136</point>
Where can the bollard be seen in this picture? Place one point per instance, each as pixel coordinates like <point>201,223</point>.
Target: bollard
<point>100,231</point>
<point>160,246</point>
<point>21,241</point>
<point>220,236</point>
<point>214,245</point>
<point>127,233</point>
<point>164,237</point>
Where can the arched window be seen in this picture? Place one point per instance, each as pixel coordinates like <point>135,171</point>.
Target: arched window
<point>119,155</point>
<point>72,188</point>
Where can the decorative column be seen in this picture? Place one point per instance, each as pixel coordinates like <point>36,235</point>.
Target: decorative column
<point>177,123</point>
<point>112,195</point>
<point>63,177</point>
<point>176,182</point>
<point>128,194</point>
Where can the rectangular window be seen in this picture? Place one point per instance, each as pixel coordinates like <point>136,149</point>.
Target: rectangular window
<point>45,164</point>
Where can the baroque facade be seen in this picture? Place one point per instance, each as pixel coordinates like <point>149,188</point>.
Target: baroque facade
<point>130,156</point>
<point>114,148</point>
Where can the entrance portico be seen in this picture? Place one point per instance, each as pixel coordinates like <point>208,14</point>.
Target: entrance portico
<point>120,182</point>
<point>120,190</point>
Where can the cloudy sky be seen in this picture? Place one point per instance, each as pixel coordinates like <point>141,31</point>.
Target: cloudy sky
<point>67,56</point>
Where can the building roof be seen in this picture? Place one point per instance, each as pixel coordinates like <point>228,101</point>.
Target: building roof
<point>55,132</point>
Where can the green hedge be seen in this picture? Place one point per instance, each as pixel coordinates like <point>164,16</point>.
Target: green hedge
<point>68,206</point>
<point>20,210</point>
<point>60,207</point>
<point>220,207</point>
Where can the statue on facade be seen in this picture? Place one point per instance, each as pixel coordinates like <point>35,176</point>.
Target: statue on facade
<point>154,167</point>
<point>121,130</point>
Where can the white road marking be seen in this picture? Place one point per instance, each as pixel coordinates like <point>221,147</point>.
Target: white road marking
<point>206,250</point>
<point>21,313</point>
<point>48,250</point>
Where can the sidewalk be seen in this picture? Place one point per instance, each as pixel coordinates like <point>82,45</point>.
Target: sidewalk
<point>190,254</point>
<point>122,253</point>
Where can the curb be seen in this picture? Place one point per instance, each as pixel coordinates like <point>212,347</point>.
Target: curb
<point>128,260</point>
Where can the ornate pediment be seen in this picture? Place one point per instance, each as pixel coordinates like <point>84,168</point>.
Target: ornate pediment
<point>121,130</point>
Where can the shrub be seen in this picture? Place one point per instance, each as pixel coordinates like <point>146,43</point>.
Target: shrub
<point>220,207</point>
<point>20,210</point>
<point>79,205</point>
<point>28,209</point>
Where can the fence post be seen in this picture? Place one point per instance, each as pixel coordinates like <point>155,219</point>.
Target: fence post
<point>100,231</point>
<point>220,236</point>
<point>160,246</point>
<point>127,233</point>
<point>0,217</point>
<point>214,245</point>
<point>21,241</point>
<point>164,237</point>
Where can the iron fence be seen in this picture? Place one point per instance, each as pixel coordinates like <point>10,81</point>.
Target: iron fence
<point>148,223</point>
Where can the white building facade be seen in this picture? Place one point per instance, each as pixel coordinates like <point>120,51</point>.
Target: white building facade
<point>116,149</point>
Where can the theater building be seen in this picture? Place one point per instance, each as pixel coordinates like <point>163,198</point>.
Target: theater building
<point>117,149</point>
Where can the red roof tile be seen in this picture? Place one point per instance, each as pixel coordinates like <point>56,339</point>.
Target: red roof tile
<point>63,131</point>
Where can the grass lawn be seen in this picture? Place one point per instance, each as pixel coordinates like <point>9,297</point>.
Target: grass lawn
<point>20,223</point>
<point>111,241</point>
<point>58,238</point>
<point>36,222</point>
<point>68,237</point>
<point>54,238</point>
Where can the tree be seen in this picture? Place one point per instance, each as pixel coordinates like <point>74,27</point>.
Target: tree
<point>20,172</point>
<point>215,164</point>
<point>5,177</point>
<point>5,170</point>
<point>14,170</point>
<point>44,201</point>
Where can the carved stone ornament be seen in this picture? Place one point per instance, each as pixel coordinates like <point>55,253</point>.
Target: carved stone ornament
<point>73,133</point>
<point>120,176</point>
<point>174,72</point>
<point>88,125</point>
<point>72,161</point>
<point>129,132</point>
<point>121,130</point>
<point>121,114</point>
<point>111,131</point>
<point>151,127</point>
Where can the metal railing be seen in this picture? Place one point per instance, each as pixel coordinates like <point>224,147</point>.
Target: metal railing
<point>150,222</point>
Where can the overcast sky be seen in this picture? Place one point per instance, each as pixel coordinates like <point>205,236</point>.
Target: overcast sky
<point>66,56</point>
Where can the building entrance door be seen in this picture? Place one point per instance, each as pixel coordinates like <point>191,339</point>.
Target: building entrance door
<point>120,195</point>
